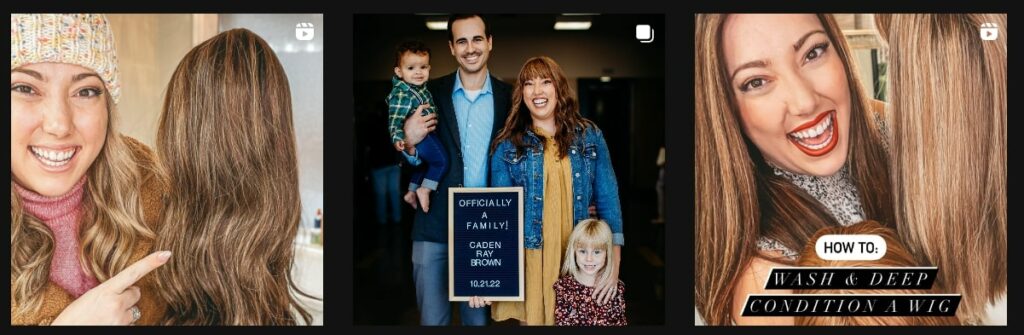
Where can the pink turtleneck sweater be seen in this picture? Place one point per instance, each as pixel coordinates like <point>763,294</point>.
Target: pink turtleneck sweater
<point>62,214</point>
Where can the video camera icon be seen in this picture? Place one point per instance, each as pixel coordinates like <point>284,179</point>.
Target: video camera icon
<point>304,31</point>
<point>989,31</point>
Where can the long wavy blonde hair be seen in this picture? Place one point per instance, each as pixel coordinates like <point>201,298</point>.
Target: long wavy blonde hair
<point>948,156</point>
<point>112,223</point>
<point>227,143</point>
<point>738,198</point>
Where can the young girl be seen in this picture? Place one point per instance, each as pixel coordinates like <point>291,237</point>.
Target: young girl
<point>588,251</point>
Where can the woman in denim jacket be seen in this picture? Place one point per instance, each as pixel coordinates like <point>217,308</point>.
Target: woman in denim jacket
<point>561,160</point>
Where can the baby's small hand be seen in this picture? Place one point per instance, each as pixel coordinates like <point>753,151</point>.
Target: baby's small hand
<point>400,145</point>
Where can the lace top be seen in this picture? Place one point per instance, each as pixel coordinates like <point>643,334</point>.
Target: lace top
<point>837,193</point>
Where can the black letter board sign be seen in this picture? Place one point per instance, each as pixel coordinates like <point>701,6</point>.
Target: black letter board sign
<point>485,243</point>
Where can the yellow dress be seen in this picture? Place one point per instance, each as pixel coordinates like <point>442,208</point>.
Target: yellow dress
<point>543,265</point>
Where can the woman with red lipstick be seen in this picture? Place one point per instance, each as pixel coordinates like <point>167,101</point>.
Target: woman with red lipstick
<point>786,144</point>
<point>83,197</point>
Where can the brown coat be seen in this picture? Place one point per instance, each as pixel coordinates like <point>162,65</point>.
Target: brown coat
<point>55,299</point>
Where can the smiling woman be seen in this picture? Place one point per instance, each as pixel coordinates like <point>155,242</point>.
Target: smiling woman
<point>791,91</point>
<point>561,159</point>
<point>786,144</point>
<point>83,197</point>
<point>78,125</point>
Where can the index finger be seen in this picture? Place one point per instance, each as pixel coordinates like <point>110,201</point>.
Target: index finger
<point>134,272</point>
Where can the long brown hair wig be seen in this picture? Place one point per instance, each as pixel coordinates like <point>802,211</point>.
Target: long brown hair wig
<point>228,147</point>
<point>948,156</point>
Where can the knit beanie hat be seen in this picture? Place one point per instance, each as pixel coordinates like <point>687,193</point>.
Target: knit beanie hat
<point>80,39</point>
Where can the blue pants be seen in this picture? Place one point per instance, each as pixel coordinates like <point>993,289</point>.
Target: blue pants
<point>433,156</point>
<point>430,272</point>
<point>385,191</point>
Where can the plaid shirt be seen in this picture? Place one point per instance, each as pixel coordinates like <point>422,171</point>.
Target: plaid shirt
<point>402,101</point>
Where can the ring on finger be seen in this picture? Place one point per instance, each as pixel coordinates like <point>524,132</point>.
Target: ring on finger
<point>136,313</point>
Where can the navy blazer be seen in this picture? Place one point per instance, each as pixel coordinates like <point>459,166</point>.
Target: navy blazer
<point>433,226</point>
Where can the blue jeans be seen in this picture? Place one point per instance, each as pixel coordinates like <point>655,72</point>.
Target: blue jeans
<point>435,163</point>
<point>385,191</point>
<point>430,272</point>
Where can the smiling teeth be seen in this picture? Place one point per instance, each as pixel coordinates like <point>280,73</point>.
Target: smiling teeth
<point>540,101</point>
<point>52,157</point>
<point>819,145</point>
<point>814,131</point>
